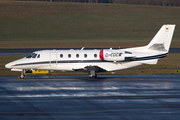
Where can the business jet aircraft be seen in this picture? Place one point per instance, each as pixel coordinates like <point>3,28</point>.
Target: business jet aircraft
<point>94,61</point>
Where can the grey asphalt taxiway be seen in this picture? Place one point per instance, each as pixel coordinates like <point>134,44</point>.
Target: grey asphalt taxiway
<point>109,97</point>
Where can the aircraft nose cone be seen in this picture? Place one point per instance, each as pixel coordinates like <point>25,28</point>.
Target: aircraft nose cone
<point>8,66</point>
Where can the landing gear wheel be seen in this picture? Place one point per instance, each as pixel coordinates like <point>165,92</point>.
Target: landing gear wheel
<point>22,76</point>
<point>92,74</point>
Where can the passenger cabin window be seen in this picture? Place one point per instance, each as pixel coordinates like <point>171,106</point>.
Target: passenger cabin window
<point>61,55</point>
<point>69,55</point>
<point>95,55</point>
<point>77,55</point>
<point>85,55</point>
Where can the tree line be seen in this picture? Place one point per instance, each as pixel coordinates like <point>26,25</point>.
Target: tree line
<point>137,2</point>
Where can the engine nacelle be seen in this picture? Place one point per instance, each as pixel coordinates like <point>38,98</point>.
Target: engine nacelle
<point>112,55</point>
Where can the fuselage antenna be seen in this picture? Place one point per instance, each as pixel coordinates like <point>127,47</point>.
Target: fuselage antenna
<point>82,48</point>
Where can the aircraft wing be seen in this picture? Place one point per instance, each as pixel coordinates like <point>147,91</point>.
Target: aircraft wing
<point>90,68</point>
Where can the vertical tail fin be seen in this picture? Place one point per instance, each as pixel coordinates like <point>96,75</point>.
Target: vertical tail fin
<point>162,39</point>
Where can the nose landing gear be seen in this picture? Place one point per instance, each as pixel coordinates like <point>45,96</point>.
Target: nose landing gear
<point>22,75</point>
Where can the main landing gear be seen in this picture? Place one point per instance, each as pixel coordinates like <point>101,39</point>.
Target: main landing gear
<point>22,75</point>
<point>92,74</point>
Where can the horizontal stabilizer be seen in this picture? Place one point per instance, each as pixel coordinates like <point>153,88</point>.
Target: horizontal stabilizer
<point>151,62</point>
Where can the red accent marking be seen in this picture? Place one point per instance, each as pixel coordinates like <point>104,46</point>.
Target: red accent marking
<point>101,55</point>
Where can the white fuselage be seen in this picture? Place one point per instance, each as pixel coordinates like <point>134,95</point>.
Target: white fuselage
<point>70,60</point>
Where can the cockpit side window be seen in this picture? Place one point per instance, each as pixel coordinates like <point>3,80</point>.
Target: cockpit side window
<point>38,56</point>
<point>30,55</point>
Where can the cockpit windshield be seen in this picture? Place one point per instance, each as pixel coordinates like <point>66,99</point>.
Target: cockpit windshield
<point>30,55</point>
<point>33,55</point>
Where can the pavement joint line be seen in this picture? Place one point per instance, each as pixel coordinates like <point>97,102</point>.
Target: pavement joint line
<point>154,109</point>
